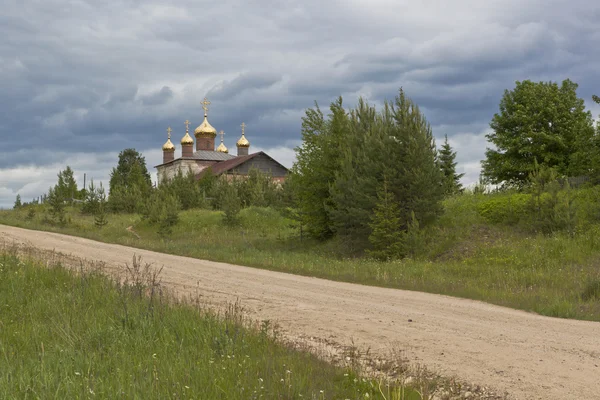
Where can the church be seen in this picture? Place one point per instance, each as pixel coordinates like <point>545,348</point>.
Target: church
<point>205,159</point>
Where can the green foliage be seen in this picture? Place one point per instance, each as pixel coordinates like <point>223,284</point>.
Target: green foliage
<point>385,226</point>
<point>397,144</point>
<point>446,158</point>
<point>258,189</point>
<point>30,213</point>
<point>130,182</point>
<point>91,201</point>
<point>231,204</point>
<point>318,160</point>
<point>99,210</point>
<point>552,203</point>
<point>543,122</point>
<point>507,209</point>
<point>186,189</point>
<point>56,207</point>
<point>66,188</point>
<point>18,203</point>
<point>162,209</point>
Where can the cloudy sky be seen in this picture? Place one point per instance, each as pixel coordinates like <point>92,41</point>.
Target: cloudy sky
<point>81,80</point>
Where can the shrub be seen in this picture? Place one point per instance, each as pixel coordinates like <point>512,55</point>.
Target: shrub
<point>231,205</point>
<point>507,209</point>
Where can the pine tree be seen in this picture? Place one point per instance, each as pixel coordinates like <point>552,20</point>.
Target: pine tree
<point>448,164</point>
<point>18,203</point>
<point>395,143</point>
<point>231,205</point>
<point>100,217</point>
<point>57,207</point>
<point>66,188</point>
<point>130,183</point>
<point>318,160</point>
<point>386,233</point>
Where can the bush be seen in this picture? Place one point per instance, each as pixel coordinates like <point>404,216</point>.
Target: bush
<point>507,209</point>
<point>231,205</point>
<point>162,209</point>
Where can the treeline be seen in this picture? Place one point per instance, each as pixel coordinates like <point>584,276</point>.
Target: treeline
<point>371,178</point>
<point>132,191</point>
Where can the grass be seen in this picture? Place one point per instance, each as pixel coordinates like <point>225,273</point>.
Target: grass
<point>66,336</point>
<point>463,255</point>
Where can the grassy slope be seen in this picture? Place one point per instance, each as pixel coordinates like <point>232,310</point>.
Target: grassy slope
<point>462,256</point>
<point>64,336</point>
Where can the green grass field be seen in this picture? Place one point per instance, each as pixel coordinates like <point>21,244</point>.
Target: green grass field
<point>463,255</point>
<point>67,336</point>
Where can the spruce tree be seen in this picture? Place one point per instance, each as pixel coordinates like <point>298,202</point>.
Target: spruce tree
<point>448,164</point>
<point>386,233</point>
<point>18,203</point>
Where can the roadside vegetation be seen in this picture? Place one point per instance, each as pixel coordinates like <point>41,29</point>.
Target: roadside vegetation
<point>140,343</point>
<point>372,200</point>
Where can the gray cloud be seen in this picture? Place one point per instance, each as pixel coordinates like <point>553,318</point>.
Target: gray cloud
<point>95,77</point>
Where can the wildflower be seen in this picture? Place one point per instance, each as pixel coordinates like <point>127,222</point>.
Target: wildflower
<point>77,373</point>
<point>154,355</point>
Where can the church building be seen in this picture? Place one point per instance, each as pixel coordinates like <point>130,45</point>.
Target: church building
<point>219,162</point>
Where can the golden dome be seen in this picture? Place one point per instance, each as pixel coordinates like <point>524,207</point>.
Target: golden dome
<point>222,148</point>
<point>168,146</point>
<point>187,139</point>
<point>243,142</point>
<point>205,129</point>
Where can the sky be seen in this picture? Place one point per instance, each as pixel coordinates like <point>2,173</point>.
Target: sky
<point>82,80</point>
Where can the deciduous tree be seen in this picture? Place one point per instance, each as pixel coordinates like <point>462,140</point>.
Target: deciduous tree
<point>539,121</point>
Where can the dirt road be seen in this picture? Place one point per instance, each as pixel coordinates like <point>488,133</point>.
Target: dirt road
<point>526,355</point>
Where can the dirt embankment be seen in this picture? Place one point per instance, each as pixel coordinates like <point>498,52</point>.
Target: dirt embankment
<point>526,355</point>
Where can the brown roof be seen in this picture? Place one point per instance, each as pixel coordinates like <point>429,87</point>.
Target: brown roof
<point>224,166</point>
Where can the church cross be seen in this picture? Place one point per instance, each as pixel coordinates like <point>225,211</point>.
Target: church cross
<point>222,134</point>
<point>187,126</point>
<point>205,103</point>
<point>169,130</point>
<point>243,127</point>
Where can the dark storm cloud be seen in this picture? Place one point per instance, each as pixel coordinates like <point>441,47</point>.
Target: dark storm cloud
<point>96,77</point>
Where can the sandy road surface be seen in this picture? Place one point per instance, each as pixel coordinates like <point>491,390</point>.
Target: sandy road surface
<point>526,355</point>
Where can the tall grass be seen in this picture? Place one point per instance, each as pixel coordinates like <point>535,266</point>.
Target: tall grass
<point>67,336</point>
<point>463,255</point>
